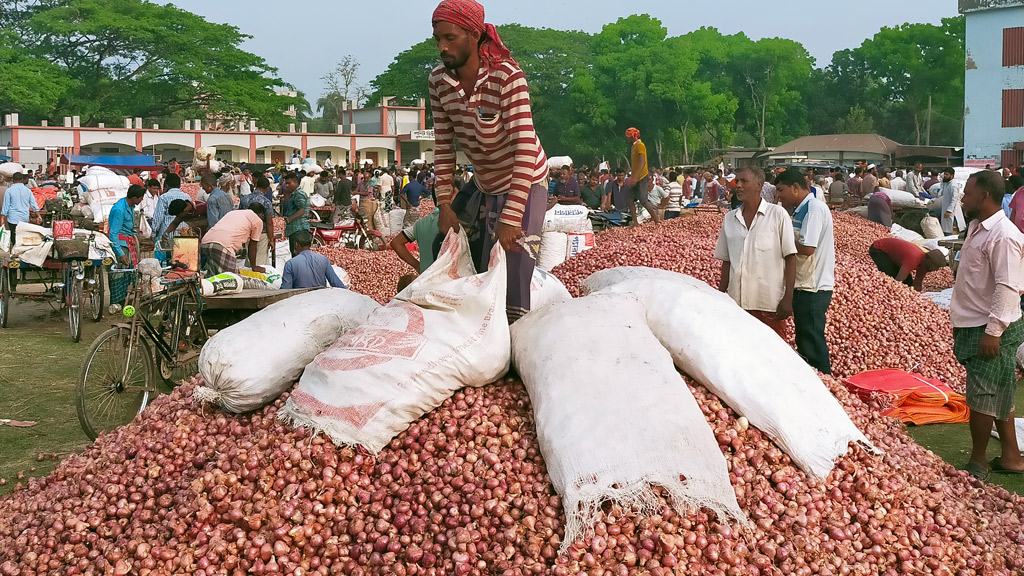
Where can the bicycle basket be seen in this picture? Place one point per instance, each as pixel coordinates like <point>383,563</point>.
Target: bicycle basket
<point>72,249</point>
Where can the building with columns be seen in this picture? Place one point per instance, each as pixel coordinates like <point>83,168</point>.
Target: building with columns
<point>383,135</point>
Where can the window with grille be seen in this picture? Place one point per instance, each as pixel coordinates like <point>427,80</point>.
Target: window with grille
<point>1013,108</point>
<point>1013,46</point>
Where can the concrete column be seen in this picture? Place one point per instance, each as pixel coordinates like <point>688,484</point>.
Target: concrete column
<point>187,125</point>
<point>100,125</point>
<point>304,128</point>
<point>127,123</point>
<point>67,121</point>
<point>291,128</point>
<point>138,123</point>
<point>198,124</point>
<point>252,126</point>
<point>76,122</point>
<point>14,119</point>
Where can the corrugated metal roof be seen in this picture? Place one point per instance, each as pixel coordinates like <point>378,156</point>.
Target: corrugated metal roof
<point>868,143</point>
<point>967,6</point>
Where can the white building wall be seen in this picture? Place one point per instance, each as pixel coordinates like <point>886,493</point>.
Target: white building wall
<point>986,78</point>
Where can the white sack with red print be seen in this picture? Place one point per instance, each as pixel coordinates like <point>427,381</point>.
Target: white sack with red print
<point>248,365</point>
<point>446,330</point>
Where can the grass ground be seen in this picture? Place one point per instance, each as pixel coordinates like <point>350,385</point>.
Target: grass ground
<point>952,443</point>
<point>39,367</point>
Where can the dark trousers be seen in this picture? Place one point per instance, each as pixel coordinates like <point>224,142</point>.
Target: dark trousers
<point>809,311</point>
<point>887,266</point>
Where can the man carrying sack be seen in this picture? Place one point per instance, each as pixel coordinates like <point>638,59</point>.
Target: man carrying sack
<point>480,99</point>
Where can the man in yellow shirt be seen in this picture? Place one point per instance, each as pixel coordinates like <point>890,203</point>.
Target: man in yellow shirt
<point>640,177</point>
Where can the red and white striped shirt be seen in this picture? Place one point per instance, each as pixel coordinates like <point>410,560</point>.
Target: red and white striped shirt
<point>494,128</point>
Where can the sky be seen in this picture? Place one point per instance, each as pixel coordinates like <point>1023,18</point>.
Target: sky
<point>306,42</point>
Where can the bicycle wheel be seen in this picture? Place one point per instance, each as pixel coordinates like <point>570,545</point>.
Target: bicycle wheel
<point>73,301</point>
<point>95,308</point>
<point>174,372</point>
<point>113,386</point>
<point>5,296</point>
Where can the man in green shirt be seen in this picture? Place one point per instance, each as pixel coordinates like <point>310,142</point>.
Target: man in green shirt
<point>591,192</point>
<point>423,233</point>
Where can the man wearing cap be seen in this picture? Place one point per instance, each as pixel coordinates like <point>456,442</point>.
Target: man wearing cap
<point>640,175</point>
<point>480,100</point>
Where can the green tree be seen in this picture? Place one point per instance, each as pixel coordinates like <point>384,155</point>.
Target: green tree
<point>339,87</point>
<point>130,58</point>
<point>897,72</point>
<point>856,121</point>
<point>405,79</point>
<point>29,85</point>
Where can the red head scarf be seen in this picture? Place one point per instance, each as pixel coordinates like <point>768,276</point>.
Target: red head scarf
<point>469,15</point>
<point>632,133</point>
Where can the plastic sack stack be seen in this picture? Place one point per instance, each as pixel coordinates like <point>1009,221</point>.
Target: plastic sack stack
<point>288,335</point>
<point>770,384</point>
<point>611,430</point>
<point>567,231</point>
<point>446,330</point>
<point>101,189</point>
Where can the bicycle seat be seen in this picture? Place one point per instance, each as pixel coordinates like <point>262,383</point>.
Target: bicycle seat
<point>322,225</point>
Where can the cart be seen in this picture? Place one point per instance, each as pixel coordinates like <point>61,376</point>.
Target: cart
<point>72,284</point>
<point>222,311</point>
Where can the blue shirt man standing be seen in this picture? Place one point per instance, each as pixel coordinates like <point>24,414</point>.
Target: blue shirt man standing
<point>19,204</point>
<point>219,203</point>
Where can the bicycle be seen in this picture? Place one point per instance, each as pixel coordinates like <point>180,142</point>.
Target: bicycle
<point>161,333</point>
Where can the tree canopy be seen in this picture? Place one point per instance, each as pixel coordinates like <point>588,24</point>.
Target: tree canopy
<point>105,60</point>
<point>693,93</point>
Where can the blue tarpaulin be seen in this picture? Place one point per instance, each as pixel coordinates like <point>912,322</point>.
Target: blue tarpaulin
<point>5,158</point>
<point>113,162</point>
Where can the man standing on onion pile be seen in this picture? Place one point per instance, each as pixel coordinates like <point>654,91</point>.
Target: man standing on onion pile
<point>758,253</point>
<point>987,326</point>
<point>480,99</point>
<point>815,267</point>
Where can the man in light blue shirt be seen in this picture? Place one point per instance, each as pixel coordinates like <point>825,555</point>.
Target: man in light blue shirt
<point>161,217</point>
<point>218,203</point>
<point>307,269</point>
<point>19,204</point>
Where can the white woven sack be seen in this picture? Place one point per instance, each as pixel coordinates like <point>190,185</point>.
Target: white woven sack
<point>446,330</point>
<point>567,218</point>
<point>905,234</point>
<point>397,220</point>
<point>9,169</point>
<point>553,247</point>
<point>546,289</point>
<point>931,228</point>
<point>205,153</point>
<point>902,199</point>
<point>614,419</point>
<point>770,385</point>
<point>287,335</point>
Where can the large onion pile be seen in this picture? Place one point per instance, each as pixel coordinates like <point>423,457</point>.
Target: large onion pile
<point>374,274</point>
<point>465,491</point>
<point>874,321</point>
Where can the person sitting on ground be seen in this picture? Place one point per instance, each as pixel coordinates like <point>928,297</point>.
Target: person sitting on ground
<point>236,230</point>
<point>905,261</point>
<point>424,233</point>
<point>307,269</point>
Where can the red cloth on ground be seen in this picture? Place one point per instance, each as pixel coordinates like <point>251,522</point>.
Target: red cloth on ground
<point>910,397</point>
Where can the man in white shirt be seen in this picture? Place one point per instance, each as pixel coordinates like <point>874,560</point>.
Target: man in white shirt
<point>915,180</point>
<point>987,326</point>
<point>758,252</point>
<point>658,197</point>
<point>815,267</point>
<point>387,190</point>
<point>898,183</point>
<point>308,184</point>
